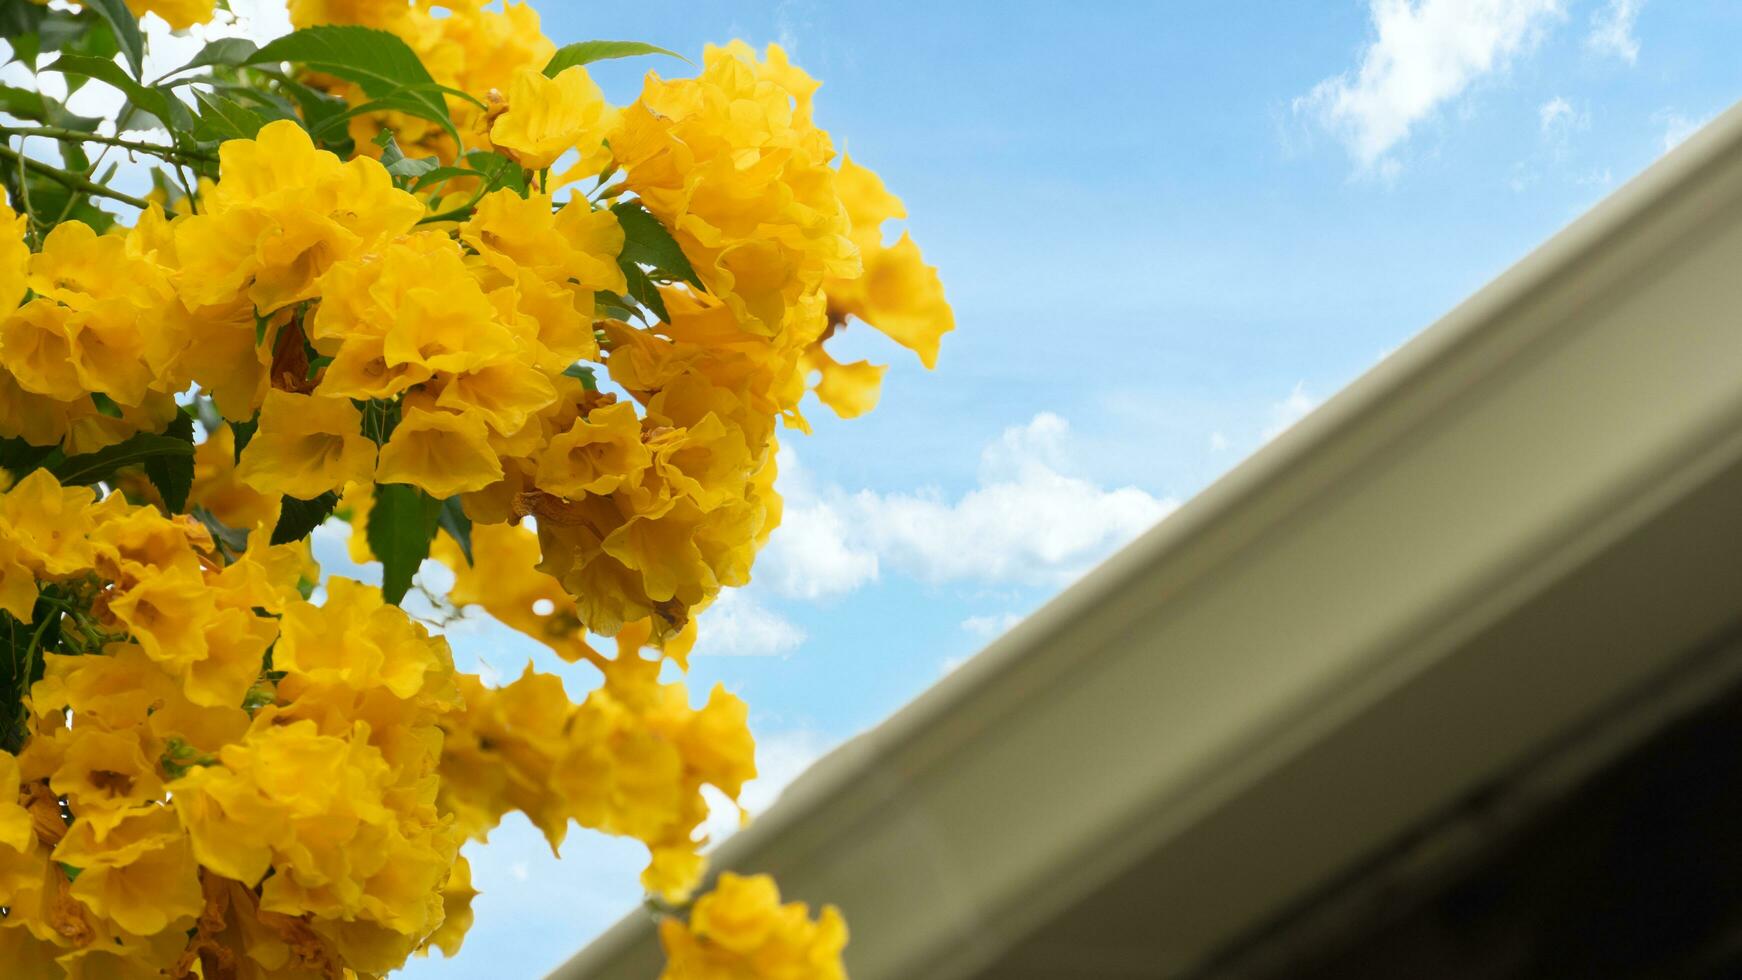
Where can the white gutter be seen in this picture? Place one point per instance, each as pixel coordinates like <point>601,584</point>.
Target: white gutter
<point>1498,531</point>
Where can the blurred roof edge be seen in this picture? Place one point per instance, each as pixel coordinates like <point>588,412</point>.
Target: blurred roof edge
<point>1504,531</point>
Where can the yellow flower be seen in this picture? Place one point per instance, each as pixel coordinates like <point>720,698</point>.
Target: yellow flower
<point>742,181</point>
<point>575,243</point>
<point>140,875</point>
<point>236,646</point>
<point>305,446</point>
<point>180,15</point>
<point>14,258</point>
<point>36,347</point>
<point>391,320</point>
<point>117,689</point>
<point>547,117</point>
<point>102,774</point>
<point>504,395</point>
<point>740,931</point>
<point>440,452</point>
<point>282,213</point>
<point>457,895</point>
<point>357,641</point>
<point>15,823</point>
<point>18,588</point>
<point>218,490</point>
<point>850,389</point>
<point>597,454</point>
<point>49,524</point>
<point>897,293</point>
<point>168,614</point>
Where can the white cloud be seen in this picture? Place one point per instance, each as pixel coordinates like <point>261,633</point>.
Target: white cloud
<point>808,557</point>
<point>1284,414</point>
<point>1426,53</point>
<point>987,627</point>
<point>1556,114</point>
<point>1032,518</point>
<point>736,625</point>
<point>1612,30</point>
<point>1677,127</point>
<point>1219,442</point>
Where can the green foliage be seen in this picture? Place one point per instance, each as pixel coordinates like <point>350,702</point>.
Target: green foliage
<point>452,519</point>
<point>102,465</point>
<point>401,522</point>
<point>646,242</point>
<point>587,52</point>
<point>126,28</point>
<point>173,473</point>
<point>156,100</point>
<point>225,119</point>
<point>297,518</point>
<point>384,66</point>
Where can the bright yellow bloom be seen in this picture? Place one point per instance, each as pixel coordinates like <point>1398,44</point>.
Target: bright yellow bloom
<point>280,216</point>
<point>179,14</point>
<point>440,452</point>
<point>36,348</point>
<point>15,824</point>
<point>103,774</point>
<point>597,454</point>
<point>49,523</point>
<point>575,243</point>
<point>217,488</point>
<point>504,395</point>
<point>357,641</point>
<point>547,117</point>
<point>168,614</point>
<point>393,319</point>
<point>306,445</point>
<point>740,931</point>
<point>141,875</point>
<point>742,181</point>
<point>14,258</point>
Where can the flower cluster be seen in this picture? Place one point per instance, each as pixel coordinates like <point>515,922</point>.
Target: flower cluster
<point>740,930</point>
<point>456,298</point>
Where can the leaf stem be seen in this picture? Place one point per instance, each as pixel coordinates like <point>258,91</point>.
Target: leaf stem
<point>62,133</point>
<point>70,180</point>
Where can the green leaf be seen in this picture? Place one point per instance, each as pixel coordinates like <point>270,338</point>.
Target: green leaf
<point>452,519</point>
<point>498,171</point>
<point>21,665</point>
<point>173,476</point>
<point>157,101</point>
<point>228,51</point>
<point>401,521</point>
<point>18,457</point>
<point>646,242</point>
<point>386,68</point>
<point>232,540</point>
<point>34,106</point>
<point>642,289</point>
<point>243,433</point>
<point>223,119</point>
<point>298,518</point>
<point>126,28</point>
<point>102,464</point>
<point>587,52</point>
<point>584,374</point>
<point>613,305</point>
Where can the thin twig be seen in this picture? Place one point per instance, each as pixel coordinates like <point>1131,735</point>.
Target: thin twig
<point>141,146</point>
<point>71,180</point>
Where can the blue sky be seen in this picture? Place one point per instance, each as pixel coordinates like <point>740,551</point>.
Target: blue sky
<point>1168,230</point>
